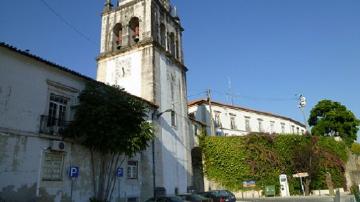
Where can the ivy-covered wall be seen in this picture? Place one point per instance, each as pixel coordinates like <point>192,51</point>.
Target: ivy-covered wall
<point>261,157</point>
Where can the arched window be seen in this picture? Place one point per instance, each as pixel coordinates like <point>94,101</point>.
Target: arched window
<point>134,29</point>
<point>162,35</point>
<point>118,35</point>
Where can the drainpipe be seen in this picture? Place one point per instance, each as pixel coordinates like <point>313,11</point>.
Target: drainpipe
<point>153,116</point>
<point>40,169</point>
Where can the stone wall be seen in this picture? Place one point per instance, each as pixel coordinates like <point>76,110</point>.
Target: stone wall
<point>352,172</point>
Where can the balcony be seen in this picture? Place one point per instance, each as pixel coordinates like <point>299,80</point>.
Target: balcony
<point>52,126</point>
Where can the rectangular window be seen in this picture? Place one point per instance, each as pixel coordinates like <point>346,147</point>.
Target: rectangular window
<point>283,128</point>
<point>57,110</point>
<point>247,124</point>
<point>297,130</point>
<point>55,121</point>
<point>261,128</point>
<point>272,127</point>
<point>132,170</point>
<point>217,121</point>
<point>232,122</point>
<point>173,118</point>
<point>196,129</point>
<point>52,168</point>
<point>172,87</point>
<point>293,129</point>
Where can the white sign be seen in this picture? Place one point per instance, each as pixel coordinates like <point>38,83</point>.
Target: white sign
<point>301,175</point>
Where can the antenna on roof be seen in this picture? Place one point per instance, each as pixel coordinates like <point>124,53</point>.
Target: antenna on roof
<point>230,94</point>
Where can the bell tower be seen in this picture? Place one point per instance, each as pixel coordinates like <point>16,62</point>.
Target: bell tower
<point>141,51</point>
<point>136,36</point>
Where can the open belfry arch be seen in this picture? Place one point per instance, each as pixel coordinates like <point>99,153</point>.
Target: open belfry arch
<point>141,51</point>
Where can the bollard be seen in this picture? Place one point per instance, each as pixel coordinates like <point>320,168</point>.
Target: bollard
<point>337,196</point>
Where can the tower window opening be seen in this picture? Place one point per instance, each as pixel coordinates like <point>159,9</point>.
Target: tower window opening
<point>118,35</point>
<point>172,43</point>
<point>134,29</point>
<point>162,35</point>
<point>177,55</point>
<point>173,118</point>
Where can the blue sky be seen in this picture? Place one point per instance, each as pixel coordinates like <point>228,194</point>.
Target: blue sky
<point>270,50</point>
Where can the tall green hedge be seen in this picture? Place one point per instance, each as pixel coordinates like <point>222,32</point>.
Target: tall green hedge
<point>261,157</point>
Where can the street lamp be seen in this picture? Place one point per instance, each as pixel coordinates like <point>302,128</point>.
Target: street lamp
<point>302,104</point>
<point>161,113</point>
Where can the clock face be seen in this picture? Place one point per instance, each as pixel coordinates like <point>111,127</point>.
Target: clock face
<point>122,69</point>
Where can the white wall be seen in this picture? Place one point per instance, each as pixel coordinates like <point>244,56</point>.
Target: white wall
<point>25,90</point>
<point>25,85</point>
<point>124,70</point>
<point>176,147</point>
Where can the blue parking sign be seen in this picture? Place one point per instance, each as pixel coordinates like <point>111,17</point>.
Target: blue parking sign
<point>119,172</point>
<point>74,172</point>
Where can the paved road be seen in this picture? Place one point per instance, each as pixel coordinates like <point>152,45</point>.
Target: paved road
<point>300,199</point>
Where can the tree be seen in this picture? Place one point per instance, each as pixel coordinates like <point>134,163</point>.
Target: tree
<point>306,158</point>
<point>330,118</point>
<point>112,125</point>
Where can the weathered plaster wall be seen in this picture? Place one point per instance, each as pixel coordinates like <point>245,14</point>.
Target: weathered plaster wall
<point>25,85</point>
<point>123,70</point>
<point>20,168</point>
<point>24,90</point>
<point>352,172</point>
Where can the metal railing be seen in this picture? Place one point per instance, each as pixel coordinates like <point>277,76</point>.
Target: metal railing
<point>52,125</point>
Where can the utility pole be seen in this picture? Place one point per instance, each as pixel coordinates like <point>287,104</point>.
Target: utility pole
<point>302,104</point>
<point>230,93</point>
<point>212,128</point>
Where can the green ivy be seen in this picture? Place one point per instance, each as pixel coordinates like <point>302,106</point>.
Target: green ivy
<point>355,148</point>
<point>261,157</point>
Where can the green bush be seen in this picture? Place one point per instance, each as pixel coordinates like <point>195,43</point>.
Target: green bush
<point>338,148</point>
<point>355,148</point>
<point>261,157</point>
<point>355,191</point>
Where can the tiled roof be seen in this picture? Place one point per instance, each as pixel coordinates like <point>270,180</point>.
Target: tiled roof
<point>202,101</point>
<point>61,68</point>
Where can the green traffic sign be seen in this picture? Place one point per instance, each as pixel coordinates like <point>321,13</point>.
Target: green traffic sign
<point>270,190</point>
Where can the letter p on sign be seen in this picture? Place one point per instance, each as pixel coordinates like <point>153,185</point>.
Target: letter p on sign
<point>74,172</point>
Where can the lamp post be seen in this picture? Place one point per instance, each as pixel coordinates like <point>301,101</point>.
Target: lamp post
<point>155,116</point>
<point>302,104</point>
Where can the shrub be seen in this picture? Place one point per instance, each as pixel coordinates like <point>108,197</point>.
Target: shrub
<point>355,148</point>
